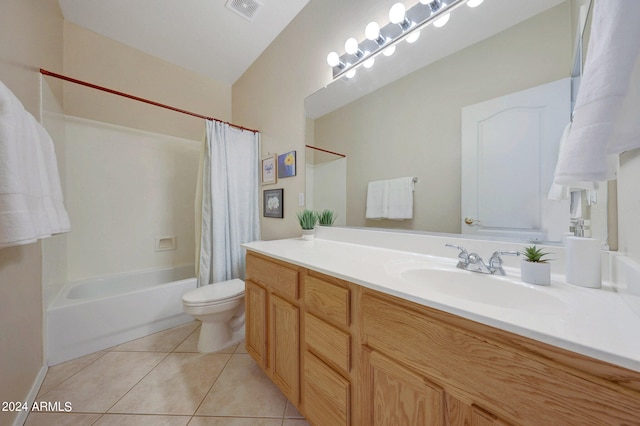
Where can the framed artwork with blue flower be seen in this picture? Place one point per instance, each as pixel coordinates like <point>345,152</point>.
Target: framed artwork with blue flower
<point>273,203</point>
<point>287,165</point>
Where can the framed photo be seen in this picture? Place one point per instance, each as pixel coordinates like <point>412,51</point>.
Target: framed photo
<point>269,170</point>
<point>273,203</point>
<point>287,164</point>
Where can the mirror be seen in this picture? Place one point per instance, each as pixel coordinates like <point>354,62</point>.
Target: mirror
<point>402,117</point>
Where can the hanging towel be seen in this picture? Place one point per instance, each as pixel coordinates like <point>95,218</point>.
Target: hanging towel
<point>377,199</point>
<point>604,102</point>
<point>31,204</point>
<point>400,198</point>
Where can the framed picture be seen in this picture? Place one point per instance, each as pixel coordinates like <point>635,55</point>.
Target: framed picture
<point>269,170</point>
<point>287,164</point>
<point>273,203</point>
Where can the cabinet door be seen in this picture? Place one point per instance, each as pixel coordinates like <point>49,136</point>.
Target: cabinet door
<point>256,322</point>
<point>285,346</point>
<point>395,395</point>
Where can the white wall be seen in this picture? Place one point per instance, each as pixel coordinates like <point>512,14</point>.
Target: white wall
<point>125,187</point>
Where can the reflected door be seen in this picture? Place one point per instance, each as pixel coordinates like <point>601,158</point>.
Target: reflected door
<point>509,152</point>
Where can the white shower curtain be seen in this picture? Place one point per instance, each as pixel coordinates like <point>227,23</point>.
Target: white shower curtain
<point>230,210</point>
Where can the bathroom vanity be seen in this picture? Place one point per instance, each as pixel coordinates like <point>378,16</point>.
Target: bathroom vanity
<point>352,336</point>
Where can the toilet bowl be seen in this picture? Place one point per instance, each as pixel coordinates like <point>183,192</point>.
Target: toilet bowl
<point>220,308</point>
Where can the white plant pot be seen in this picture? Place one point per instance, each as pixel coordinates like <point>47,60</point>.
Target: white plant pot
<point>308,234</point>
<point>538,273</point>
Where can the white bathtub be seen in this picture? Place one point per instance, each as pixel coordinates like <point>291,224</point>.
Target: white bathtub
<point>91,315</point>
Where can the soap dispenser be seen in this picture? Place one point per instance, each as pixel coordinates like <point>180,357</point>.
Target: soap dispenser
<point>583,258</point>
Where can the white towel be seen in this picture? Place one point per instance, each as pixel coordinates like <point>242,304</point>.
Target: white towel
<point>31,205</point>
<point>609,70</point>
<point>377,199</point>
<point>400,199</point>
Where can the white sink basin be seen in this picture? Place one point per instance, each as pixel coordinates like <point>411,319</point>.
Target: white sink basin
<point>444,279</point>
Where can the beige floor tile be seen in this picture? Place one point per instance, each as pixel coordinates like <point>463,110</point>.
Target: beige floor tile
<point>295,422</point>
<point>61,372</point>
<point>190,344</point>
<point>234,421</point>
<point>98,386</point>
<point>243,390</point>
<point>141,420</point>
<point>241,349</point>
<point>291,412</point>
<point>61,419</point>
<point>163,341</point>
<point>176,386</point>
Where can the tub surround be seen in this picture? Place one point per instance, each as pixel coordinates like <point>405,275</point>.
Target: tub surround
<point>581,320</point>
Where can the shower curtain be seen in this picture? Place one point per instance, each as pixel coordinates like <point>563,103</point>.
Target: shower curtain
<point>230,212</point>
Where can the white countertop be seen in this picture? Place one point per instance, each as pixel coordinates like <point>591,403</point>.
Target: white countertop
<point>594,322</point>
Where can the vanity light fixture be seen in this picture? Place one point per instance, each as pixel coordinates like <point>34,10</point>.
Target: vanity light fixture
<point>474,3</point>
<point>404,24</point>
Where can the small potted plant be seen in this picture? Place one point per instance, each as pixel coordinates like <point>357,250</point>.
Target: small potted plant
<point>535,268</point>
<point>307,220</point>
<point>326,217</point>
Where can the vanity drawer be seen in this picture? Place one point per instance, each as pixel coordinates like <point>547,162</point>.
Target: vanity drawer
<point>327,300</point>
<point>279,278</point>
<point>328,342</point>
<point>327,395</point>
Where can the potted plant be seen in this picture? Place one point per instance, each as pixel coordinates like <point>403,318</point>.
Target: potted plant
<point>326,217</point>
<point>535,268</point>
<point>307,220</point>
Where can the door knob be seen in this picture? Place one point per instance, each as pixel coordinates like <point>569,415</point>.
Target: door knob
<point>471,221</point>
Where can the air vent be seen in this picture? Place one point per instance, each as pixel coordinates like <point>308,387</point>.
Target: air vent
<point>248,9</point>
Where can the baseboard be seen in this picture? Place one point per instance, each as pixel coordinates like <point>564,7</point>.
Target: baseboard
<point>33,393</point>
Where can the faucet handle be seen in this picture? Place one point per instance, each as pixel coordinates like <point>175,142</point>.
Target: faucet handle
<point>463,251</point>
<point>495,262</point>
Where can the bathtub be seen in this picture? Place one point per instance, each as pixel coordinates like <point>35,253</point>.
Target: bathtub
<point>91,315</point>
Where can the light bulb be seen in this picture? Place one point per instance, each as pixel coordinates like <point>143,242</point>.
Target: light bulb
<point>351,46</point>
<point>372,31</point>
<point>474,3</point>
<point>413,37</point>
<point>396,14</point>
<point>351,73</point>
<point>369,62</point>
<point>442,21</point>
<point>389,50</point>
<point>333,59</point>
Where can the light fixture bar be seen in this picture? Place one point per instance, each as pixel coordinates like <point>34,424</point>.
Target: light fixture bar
<point>420,15</point>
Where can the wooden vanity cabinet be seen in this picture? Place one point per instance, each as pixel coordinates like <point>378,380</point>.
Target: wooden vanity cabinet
<point>272,321</point>
<point>328,375</point>
<point>348,355</point>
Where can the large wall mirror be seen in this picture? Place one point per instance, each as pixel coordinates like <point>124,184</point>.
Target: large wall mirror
<point>403,117</point>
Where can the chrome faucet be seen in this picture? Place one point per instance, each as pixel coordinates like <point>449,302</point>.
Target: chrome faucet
<point>474,263</point>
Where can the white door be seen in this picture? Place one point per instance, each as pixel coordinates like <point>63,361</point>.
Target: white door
<point>509,153</point>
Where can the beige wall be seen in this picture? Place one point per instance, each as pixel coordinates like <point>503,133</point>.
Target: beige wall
<point>30,38</point>
<point>412,127</point>
<point>270,95</point>
<point>99,60</point>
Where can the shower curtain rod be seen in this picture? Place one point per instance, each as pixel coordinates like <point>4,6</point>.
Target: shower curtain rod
<point>326,150</point>
<point>136,98</point>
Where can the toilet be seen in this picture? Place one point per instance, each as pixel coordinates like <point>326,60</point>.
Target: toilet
<point>220,308</point>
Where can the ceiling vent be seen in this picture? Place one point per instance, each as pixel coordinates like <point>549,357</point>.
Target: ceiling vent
<point>248,9</point>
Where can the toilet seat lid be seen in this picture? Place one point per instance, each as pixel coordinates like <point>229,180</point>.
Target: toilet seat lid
<point>216,292</point>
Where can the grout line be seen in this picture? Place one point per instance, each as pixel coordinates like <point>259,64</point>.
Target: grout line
<point>38,396</point>
<point>166,354</point>
<point>213,384</point>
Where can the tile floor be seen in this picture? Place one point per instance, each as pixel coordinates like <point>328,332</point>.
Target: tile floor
<point>162,380</point>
